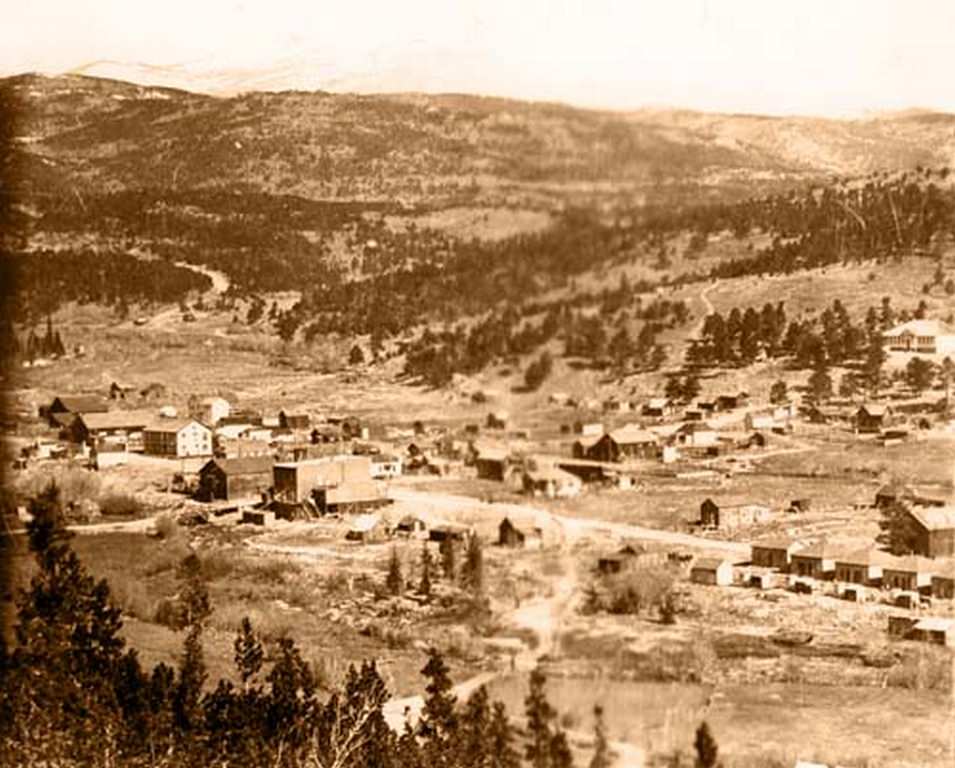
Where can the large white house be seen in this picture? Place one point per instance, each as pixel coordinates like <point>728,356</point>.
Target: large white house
<point>921,337</point>
<point>178,437</point>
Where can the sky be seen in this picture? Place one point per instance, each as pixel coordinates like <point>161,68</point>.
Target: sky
<point>840,58</point>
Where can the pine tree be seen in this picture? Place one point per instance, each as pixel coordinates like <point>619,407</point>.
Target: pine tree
<point>472,570</point>
<point>394,582</point>
<point>249,654</point>
<point>706,749</point>
<point>501,752</point>
<point>559,752</point>
<point>896,530</point>
<point>424,586</point>
<point>602,757</point>
<point>447,550</point>
<point>438,726</point>
<point>475,730</point>
<point>192,669</point>
<point>539,714</point>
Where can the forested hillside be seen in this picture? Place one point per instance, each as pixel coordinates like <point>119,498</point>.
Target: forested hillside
<point>356,203</point>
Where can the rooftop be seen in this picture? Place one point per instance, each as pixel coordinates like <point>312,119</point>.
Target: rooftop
<point>920,328</point>
<point>934,518</point>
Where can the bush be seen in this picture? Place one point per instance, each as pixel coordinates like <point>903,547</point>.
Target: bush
<point>120,505</point>
<point>167,528</point>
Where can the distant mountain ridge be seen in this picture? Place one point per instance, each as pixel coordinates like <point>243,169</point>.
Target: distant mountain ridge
<point>106,134</point>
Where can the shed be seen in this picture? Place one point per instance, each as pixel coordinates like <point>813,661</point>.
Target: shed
<point>365,529</point>
<point>935,630</point>
<point>872,418</point>
<point>713,571</point>
<point>412,527</point>
<point>515,535</point>
<point>294,420</point>
<point>552,482</point>
<point>231,479</point>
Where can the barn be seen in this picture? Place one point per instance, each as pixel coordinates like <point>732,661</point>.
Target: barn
<point>234,479</point>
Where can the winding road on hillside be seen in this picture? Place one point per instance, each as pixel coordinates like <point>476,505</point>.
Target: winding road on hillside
<point>697,331</point>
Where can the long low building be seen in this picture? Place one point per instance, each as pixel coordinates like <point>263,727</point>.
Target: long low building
<point>294,482</point>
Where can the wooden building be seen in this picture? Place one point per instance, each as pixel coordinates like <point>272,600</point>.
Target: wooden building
<point>933,530</point>
<point>294,420</point>
<point>729,516</point>
<point>872,418</point>
<point>552,482</point>
<point>235,479</point>
<point>294,482</point>
<point>815,562</point>
<point>179,438</point>
<point>863,567</point>
<point>60,412</point>
<point>775,552</point>
<point>519,535</point>
<point>910,573</point>
<point>712,571</point>
<point>114,431</point>
<point>627,443</point>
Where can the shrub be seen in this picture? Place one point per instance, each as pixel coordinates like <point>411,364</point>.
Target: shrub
<point>166,527</point>
<point>120,505</point>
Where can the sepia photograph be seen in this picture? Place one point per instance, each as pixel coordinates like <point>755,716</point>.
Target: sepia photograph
<point>477,384</point>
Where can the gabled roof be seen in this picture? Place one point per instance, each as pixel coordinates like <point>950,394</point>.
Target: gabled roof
<point>778,542</point>
<point>82,403</point>
<point>117,420</point>
<point>934,624</point>
<point>546,472</point>
<point>631,434</point>
<point>244,465</point>
<point>692,427</point>
<point>821,550</point>
<point>173,425</point>
<point>866,557</point>
<point>710,563</point>
<point>875,409</point>
<point>658,402</point>
<point>934,518</point>
<point>920,328</point>
<point>588,441</point>
<point>895,488</point>
<point>911,564</point>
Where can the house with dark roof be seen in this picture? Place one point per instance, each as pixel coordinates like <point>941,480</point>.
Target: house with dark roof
<point>910,574</point>
<point>235,479</point>
<point>294,419</point>
<point>519,535</point>
<point>657,408</point>
<point>73,405</point>
<point>627,443</point>
<point>775,552</point>
<point>862,566</point>
<point>933,530</point>
<point>872,418</point>
<point>627,558</point>
<point>111,431</point>
<point>730,402</point>
<point>817,561</point>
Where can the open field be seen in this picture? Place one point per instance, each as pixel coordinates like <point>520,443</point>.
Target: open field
<point>768,725</point>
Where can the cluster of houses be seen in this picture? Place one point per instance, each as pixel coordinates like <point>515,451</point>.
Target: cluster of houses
<point>211,428</point>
